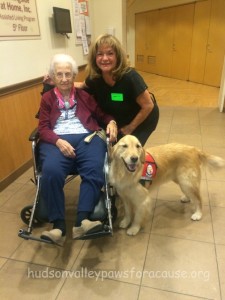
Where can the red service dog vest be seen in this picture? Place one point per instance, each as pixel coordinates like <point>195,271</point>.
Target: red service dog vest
<point>149,168</point>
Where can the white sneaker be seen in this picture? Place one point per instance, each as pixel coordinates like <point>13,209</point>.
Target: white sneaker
<point>54,235</point>
<point>77,232</point>
<point>91,226</point>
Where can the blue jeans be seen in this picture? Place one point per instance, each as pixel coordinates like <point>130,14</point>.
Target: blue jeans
<point>88,163</point>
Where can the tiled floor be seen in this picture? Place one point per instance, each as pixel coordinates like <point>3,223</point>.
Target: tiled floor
<point>171,258</point>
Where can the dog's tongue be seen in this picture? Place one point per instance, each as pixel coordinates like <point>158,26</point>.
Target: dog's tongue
<point>132,167</point>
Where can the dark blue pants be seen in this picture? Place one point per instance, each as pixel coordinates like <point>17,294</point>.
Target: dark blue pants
<point>88,163</point>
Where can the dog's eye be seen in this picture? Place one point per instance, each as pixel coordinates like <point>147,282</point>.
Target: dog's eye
<point>138,146</point>
<point>124,146</point>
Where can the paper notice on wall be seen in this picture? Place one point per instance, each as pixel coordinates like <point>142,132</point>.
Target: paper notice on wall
<point>85,45</point>
<point>82,24</point>
<point>76,8</point>
<point>84,41</point>
<point>87,25</point>
<point>83,7</point>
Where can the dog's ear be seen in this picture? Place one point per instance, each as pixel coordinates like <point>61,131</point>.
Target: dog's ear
<point>142,155</point>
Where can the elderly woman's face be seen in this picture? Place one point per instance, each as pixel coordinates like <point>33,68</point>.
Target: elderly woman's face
<point>63,77</point>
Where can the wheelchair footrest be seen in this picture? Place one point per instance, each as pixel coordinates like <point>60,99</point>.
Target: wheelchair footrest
<point>94,235</point>
<point>28,236</point>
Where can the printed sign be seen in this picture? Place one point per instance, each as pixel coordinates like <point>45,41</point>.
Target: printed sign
<point>18,19</point>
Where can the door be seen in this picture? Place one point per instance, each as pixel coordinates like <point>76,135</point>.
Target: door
<point>140,41</point>
<point>199,41</point>
<point>216,44</point>
<point>165,41</point>
<point>182,38</point>
<point>174,41</point>
<point>152,38</point>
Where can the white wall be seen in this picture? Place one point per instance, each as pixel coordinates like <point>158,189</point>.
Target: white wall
<point>22,60</point>
<point>109,14</point>
<point>140,6</point>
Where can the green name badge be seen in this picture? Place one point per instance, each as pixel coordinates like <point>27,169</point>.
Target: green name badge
<point>116,97</point>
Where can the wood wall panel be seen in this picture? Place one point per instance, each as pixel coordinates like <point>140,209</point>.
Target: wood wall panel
<point>190,43</point>
<point>141,41</point>
<point>216,44</point>
<point>183,24</point>
<point>152,38</point>
<point>166,47</point>
<point>199,41</point>
<point>17,120</point>
<point>165,42</point>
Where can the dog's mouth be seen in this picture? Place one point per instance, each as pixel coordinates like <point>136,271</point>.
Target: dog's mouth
<point>130,167</point>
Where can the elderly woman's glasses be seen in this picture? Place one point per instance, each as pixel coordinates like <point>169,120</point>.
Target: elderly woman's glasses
<point>67,75</point>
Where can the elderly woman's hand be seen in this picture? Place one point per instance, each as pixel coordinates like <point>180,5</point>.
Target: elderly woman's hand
<point>112,131</point>
<point>66,149</point>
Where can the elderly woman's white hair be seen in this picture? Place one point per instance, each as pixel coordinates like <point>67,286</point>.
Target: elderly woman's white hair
<point>62,58</point>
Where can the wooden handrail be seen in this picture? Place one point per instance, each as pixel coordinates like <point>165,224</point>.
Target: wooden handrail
<point>20,86</point>
<point>26,84</point>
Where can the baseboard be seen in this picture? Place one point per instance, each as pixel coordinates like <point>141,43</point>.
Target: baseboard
<point>12,177</point>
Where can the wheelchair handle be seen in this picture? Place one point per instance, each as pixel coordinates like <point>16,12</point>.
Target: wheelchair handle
<point>34,136</point>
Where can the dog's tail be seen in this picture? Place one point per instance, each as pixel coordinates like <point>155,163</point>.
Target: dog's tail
<point>211,161</point>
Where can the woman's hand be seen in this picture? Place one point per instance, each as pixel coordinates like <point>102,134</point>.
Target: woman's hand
<point>127,129</point>
<point>112,131</point>
<point>47,79</point>
<point>80,85</point>
<point>66,149</point>
<point>146,106</point>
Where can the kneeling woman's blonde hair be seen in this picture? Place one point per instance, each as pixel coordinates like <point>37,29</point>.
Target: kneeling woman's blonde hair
<point>122,65</point>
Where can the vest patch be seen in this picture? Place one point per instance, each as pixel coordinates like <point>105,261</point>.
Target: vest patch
<point>149,168</point>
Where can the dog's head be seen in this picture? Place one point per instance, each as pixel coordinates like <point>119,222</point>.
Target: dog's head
<point>130,152</point>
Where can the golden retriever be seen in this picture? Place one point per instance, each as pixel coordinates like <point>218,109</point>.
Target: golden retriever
<point>177,162</point>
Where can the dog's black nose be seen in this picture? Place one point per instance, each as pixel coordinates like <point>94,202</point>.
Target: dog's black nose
<point>134,159</point>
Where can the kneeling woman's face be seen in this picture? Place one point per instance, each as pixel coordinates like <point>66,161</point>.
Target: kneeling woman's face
<point>64,77</point>
<point>106,59</point>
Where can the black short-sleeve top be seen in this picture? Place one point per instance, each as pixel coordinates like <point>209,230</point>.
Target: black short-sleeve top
<point>118,100</point>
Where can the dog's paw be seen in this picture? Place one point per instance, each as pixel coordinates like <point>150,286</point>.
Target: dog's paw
<point>133,230</point>
<point>184,199</point>
<point>196,216</point>
<point>124,223</point>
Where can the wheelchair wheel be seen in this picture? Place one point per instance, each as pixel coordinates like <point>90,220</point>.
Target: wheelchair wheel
<point>25,215</point>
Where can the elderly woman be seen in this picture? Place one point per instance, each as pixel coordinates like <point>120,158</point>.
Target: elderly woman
<point>68,118</point>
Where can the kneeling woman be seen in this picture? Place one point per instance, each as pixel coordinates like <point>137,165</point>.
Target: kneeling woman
<point>68,116</point>
<point>119,89</point>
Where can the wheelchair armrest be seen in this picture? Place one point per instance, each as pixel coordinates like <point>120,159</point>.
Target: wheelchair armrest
<point>34,135</point>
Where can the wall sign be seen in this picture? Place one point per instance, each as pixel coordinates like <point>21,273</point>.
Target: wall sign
<point>19,20</point>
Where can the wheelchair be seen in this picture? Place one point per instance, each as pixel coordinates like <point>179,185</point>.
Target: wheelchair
<point>36,214</point>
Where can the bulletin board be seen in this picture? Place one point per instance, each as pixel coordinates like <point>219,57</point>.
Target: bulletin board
<point>82,24</point>
<point>19,20</point>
